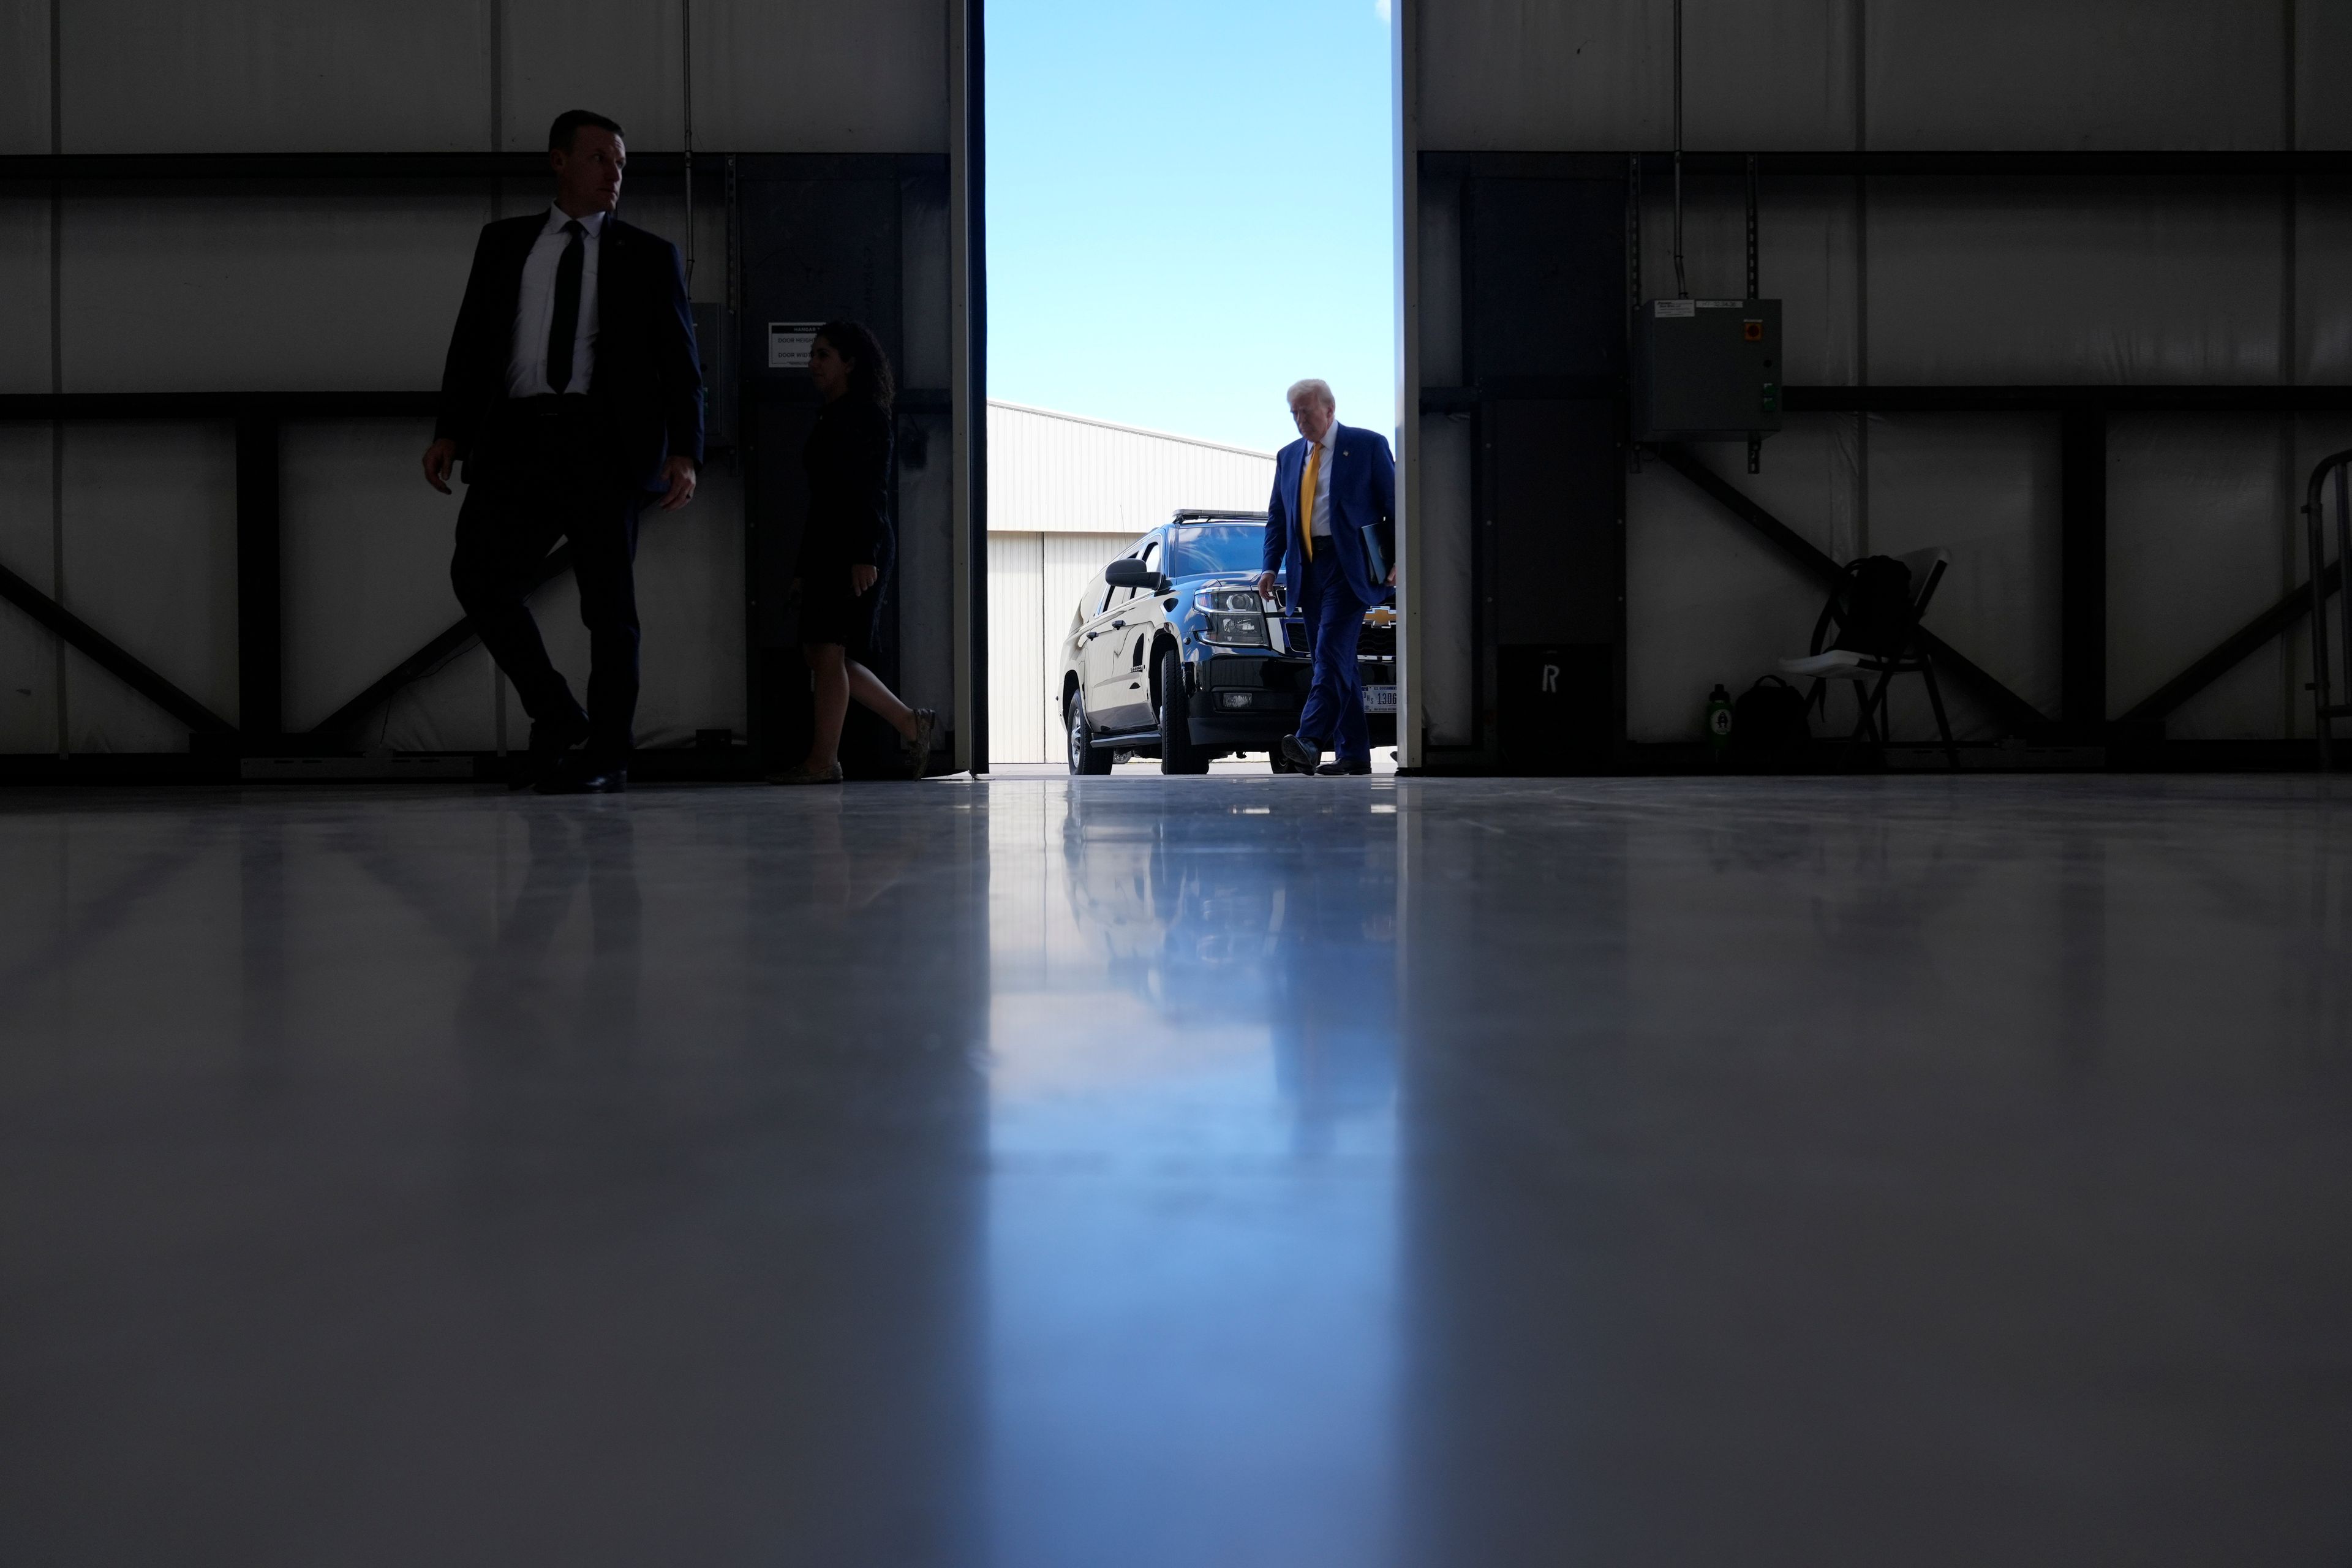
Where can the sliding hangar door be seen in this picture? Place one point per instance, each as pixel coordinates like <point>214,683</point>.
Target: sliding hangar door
<point>2065,292</point>
<point>232,242</point>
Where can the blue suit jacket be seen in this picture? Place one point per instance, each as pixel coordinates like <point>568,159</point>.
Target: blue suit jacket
<point>1364,495</point>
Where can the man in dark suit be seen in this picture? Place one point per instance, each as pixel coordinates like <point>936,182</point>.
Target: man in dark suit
<point>574,396</point>
<point>1330,531</point>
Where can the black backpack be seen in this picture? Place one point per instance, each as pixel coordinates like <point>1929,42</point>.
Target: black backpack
<point>1872,605</point>
<point>1769,727</point>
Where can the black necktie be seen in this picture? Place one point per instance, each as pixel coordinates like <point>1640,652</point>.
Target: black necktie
<point>566,322</point>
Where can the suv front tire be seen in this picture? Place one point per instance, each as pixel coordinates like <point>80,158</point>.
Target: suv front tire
<point>1085,758</point>
<point>1178,755</point>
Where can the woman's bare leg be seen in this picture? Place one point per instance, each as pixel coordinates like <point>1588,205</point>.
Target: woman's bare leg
<point>825,662</point>
<point>868,688</point>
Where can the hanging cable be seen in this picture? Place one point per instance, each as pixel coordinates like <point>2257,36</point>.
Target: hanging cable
<point>1682,289</point>
<point>686,30</point>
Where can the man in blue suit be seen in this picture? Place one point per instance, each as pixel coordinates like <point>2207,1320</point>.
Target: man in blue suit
<point>1330,531</point>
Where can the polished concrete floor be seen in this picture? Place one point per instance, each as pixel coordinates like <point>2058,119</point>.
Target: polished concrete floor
<point>1224,1172</point>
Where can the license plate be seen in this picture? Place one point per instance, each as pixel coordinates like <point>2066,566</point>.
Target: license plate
<point>1380,699</point>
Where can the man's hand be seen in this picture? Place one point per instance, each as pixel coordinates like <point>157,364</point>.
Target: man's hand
<point>1265,584</point>
<point>862,578</point>
<point>678,481</point>
<point>1391,576</point>
<point>439,458</point>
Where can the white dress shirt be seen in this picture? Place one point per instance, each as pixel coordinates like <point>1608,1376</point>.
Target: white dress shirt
<point>535,310</point>
<point>1319,525</point>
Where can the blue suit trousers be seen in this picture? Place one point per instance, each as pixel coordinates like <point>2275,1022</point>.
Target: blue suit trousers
<point>1333,717</point>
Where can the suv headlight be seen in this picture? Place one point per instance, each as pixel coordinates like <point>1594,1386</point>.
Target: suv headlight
<point>1232,617</point>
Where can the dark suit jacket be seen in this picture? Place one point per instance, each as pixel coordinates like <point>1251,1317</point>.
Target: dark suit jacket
<point>648,386</point>
<point>1364,495</point>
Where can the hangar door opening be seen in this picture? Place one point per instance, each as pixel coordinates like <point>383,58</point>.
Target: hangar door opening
<point>1185,220</point>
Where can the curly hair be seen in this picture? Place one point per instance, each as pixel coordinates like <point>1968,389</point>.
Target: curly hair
<point>869,368</point>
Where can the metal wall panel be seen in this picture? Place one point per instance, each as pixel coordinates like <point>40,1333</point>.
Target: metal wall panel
<point>2323,271</point>
<point>206,292</point>
<point>690,603</point>
<point>276,76</point>
<point>2089,74</point>
<point>365,561</point>
<point>1984,487</point>
<point>28,653</point>
<point>926,262</point>
<point>1528,76</point>
<point>2322,109</point>
<point>1441,282</point>
<point>453,710</point>
<point>1705,599</point>
<point>151,561</point>
<point>24,296</point>
<point>1448,528</point>
<point>1020,685</point>
<point>927,620</point>
<point>2199,542</point>
<point>23,76</point>
<point>1708,601</point>
<point>1533,76</point>
<point>1777,75</point>
<point>622,58</point>
<point>2073,281</point>
<point>868,78</point>
<point>1059,473</point>
<point>1544,279</point>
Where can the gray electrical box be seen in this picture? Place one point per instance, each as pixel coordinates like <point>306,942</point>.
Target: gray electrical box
<point>1706,370</point>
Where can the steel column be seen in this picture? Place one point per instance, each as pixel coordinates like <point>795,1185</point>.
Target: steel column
<point>2083,573</point>
<point>260,631</point>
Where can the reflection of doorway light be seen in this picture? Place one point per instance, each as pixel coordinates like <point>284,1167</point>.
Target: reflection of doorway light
<point>1190,1349</point>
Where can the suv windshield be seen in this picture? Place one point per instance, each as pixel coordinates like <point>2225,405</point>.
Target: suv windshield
<point>1196,549</point>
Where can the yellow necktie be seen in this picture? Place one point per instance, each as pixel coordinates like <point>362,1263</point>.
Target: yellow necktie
<point>1306,499</point>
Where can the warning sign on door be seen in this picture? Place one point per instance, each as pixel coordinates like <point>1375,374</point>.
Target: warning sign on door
<point>789,344</point>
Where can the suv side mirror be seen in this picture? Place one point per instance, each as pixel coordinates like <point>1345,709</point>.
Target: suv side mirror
<point>1129,573</point>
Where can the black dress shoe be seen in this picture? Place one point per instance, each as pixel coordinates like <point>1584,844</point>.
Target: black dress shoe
<point>590,781</point>
<point>1301,754</point>
<point>1334,770</point>
<point>550,743</point>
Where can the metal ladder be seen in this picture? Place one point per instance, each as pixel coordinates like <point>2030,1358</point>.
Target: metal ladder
<point>2325,713</point>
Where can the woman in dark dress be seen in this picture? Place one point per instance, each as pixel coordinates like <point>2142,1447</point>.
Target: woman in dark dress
<point>845,549</point>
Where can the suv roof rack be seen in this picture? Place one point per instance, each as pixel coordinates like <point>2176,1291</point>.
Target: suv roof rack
<point>1193,513</point>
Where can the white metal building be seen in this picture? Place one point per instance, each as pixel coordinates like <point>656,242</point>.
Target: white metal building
<point>1065,494</point>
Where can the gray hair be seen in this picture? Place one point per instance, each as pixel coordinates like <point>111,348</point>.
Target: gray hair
<point>1316,385</point>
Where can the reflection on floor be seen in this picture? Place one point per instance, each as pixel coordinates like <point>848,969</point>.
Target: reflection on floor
<point>1235,1171</point>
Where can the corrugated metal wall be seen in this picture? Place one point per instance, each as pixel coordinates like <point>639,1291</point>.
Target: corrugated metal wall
<point>1936,281</point>
<point>223,287</point>
<point>1065,495</point>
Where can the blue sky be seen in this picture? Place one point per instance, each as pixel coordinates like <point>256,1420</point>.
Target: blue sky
<point>1189,208</point>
